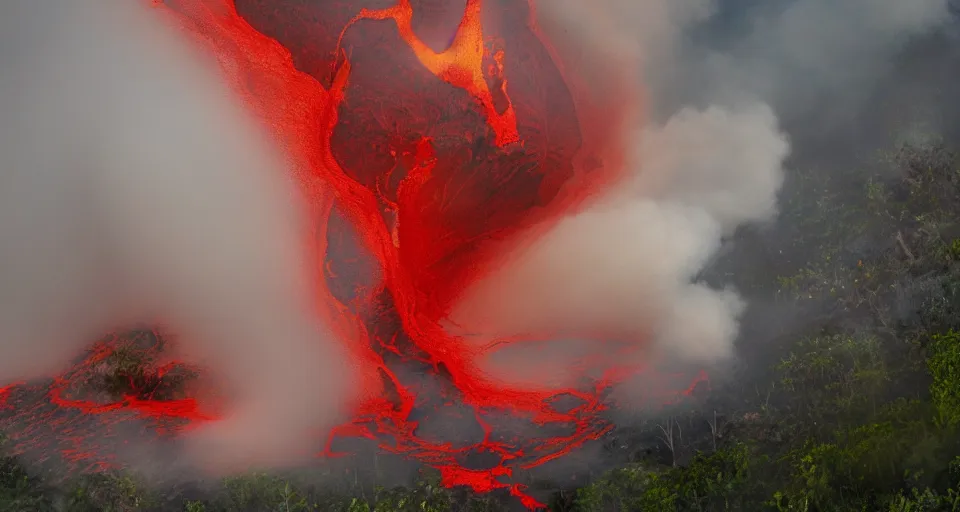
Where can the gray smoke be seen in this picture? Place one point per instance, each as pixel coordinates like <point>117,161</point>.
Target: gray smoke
<point>704,156</point>
<point>135,189</point>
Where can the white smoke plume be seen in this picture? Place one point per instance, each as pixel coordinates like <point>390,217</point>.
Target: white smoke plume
<point>694,173</point>
<point>136,189</point>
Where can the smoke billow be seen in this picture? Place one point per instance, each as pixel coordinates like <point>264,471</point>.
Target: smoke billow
<point>135,189</point>
<point>704,155</point>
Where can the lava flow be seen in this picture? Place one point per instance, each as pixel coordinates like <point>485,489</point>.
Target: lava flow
<point>434,165</point>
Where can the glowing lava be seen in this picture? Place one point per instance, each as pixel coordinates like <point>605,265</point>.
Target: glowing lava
<point>460,65</point>
<point>404,158</point>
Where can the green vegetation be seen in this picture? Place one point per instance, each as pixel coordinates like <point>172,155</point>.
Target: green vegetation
<point>857,411</point>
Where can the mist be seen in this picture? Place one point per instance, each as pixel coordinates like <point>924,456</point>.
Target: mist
<point>137,190</point>
<point>704,155</point>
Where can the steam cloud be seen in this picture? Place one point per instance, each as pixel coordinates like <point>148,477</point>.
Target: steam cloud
<point>134,189</point>
<point>705,156</point>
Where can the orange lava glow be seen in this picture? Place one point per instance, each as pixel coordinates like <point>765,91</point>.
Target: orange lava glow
<point>460,65</point>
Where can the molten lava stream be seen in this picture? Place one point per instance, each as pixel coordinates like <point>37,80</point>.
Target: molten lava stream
<point>424,331</point>
<point>302,116</point>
